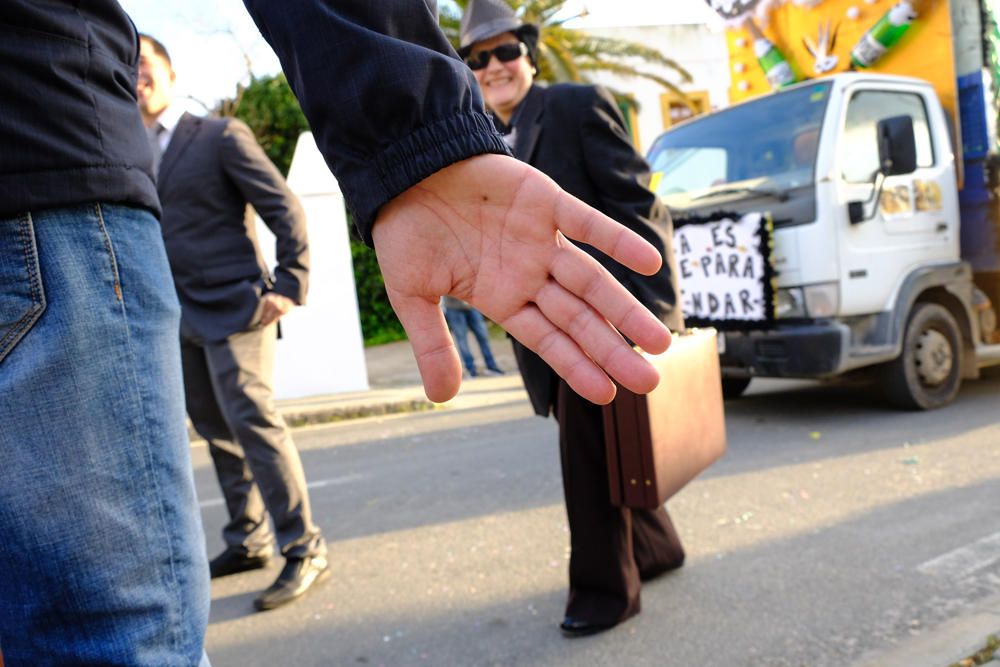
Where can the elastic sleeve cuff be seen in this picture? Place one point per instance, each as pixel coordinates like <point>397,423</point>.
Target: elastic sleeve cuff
<point>412,159</point>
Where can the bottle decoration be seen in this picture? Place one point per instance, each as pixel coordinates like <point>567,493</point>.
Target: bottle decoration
<point>776,67</point>
<point>882,36</point>
<point>772,61</point>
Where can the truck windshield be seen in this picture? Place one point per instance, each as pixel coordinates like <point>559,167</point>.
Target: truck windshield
<point>765,148</point>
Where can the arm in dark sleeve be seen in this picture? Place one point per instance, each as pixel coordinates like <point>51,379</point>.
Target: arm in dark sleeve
<point>262,185</point>
<point>387,97</point>
<point>621,176</point>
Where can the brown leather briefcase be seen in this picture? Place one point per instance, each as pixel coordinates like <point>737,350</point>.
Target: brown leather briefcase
<point>658,442</point>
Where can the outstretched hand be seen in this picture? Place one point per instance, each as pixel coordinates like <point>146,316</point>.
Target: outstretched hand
<point>493,231</point>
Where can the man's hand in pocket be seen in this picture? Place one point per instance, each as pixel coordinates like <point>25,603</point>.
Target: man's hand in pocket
<point>273,307</point>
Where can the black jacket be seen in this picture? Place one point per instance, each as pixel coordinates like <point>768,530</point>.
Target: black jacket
<point>211,170</point>
<point>576,135</point>
<point>388,99</point>
<point>70,131</point>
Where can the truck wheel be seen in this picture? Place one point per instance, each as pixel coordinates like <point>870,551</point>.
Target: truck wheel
<point>734,387</point>
<point>927,374</point>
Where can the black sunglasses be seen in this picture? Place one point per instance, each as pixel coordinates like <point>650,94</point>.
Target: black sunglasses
<point>504,53</point>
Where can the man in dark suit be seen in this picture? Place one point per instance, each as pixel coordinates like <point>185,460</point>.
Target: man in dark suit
<point>209,170</point>
<point>575,134</point>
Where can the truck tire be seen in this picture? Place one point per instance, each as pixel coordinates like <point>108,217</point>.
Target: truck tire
<point>734,387</point>
<point>928,372</point>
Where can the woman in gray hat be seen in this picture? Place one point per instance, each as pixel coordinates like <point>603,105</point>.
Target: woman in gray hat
<point>576,135</point>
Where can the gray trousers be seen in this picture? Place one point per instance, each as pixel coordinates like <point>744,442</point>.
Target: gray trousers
<point>228,391</point>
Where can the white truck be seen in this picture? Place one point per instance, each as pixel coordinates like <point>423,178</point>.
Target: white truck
<point>886,223</point>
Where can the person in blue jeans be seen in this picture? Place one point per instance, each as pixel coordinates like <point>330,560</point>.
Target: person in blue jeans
<point>462,318</point>
<point>102,553</point>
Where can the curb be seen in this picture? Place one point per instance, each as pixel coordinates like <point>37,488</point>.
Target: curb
<point>299,418</point>
<point>330,415</point>
<point>385,401</point>
<point>947,644</point>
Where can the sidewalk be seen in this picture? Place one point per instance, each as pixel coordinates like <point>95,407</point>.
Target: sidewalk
<point>395,387</point>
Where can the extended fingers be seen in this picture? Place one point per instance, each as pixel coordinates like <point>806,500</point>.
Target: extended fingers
<point>597,338</point>
<point>585,224</point>
<point>583,276</point>
<point>561,353</point>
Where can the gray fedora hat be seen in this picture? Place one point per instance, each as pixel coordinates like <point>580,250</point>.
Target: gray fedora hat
<point>488,18</point>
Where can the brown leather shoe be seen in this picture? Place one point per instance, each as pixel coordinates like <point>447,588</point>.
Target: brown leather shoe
<point>234,561</point>
<point>297,577</point>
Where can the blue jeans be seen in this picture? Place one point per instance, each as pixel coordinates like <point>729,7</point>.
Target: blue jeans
<point>460,322</point>
<point>102,556</point>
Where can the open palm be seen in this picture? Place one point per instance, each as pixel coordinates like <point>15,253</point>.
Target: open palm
<point>493,231</point>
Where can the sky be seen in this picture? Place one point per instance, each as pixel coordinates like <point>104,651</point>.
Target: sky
<point>214,45</point>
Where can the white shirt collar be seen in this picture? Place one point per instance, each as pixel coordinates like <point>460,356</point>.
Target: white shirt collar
<point>170,117</point>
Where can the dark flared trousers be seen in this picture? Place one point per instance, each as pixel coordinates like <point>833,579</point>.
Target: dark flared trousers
<point>612,548</point>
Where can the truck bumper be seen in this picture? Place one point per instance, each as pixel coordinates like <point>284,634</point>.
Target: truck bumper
<point>804,351</point>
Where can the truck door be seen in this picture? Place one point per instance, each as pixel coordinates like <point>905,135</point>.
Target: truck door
<point>914,222</point>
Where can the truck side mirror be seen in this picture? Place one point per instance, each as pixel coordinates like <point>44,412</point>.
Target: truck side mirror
<point>897,155</point>
<point>897,146</point>
<point>856,212</point>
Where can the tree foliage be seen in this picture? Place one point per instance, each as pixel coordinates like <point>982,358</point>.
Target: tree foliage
<point>565,54</point>
<point>269,107</point>
<point>379,323</point>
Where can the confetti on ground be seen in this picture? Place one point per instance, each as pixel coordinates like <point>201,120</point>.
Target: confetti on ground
<point>911,461</point>
<point>815,435</point>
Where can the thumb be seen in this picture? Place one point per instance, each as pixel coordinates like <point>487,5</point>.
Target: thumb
<point>437,359</point>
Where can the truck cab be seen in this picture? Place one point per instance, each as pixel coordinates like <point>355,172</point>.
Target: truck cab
<point>858,176</point>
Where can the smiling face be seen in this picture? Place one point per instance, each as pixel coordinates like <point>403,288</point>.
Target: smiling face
<point>156,82</point>
<point>504,85</point>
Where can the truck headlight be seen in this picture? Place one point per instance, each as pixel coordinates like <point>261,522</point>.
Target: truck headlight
<point>822,300</point>
<point>791,303</point>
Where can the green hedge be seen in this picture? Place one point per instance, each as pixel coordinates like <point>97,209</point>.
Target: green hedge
<point>379,323</point>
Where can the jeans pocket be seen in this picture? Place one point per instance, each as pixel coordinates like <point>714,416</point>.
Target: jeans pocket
<point>22,297</point>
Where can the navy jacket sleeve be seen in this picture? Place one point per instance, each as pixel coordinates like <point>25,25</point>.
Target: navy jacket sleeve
<point>388,99</point>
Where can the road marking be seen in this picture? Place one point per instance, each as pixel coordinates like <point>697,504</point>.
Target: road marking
<point>317,484</point>
<point>964,561</point>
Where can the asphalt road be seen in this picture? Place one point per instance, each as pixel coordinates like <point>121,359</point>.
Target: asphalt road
<point>832,528</point>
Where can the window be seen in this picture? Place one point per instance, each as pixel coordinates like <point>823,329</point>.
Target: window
<point>859,148</point>
<point>687,169</point>
<point>770,139</point>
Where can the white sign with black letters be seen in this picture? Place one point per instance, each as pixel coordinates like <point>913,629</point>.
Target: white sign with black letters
<point>724,274</point>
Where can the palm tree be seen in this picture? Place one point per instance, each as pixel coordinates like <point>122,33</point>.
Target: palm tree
<point>565,54</point>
